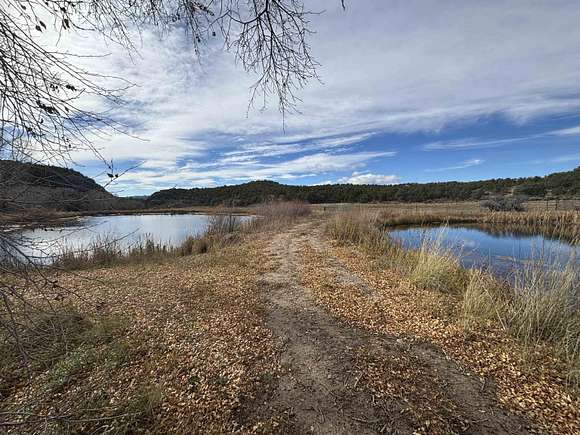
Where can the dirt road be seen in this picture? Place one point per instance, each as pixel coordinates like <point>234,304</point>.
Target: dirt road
<point>325,362</point>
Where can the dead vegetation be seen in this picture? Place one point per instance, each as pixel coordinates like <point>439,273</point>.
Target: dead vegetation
<point>186,344</point>
<point>189,348</point>
<point>556,224</point>
<point>525,336</point>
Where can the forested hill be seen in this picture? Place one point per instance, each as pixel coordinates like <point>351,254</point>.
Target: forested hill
<point>31,174</point>
<point>24,186</point>
<point>557,185</point>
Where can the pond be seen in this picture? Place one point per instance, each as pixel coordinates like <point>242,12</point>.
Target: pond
<point>166,229</point>
<point>490,248</point>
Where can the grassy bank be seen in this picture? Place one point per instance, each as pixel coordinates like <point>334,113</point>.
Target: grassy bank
<point>560,225</point>
<point>539,307</point>
<point>223,228</point>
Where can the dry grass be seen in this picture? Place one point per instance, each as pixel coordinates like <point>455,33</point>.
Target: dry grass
<point>192,348</point>
<point>283,209</point>
<point>420,217</point>
<point>564,225</point>
<point>359,226</point>
<point>276,215</point>
<point>106,251</point>
<point>540,306</point>
<point>484,299</point>
<point>437,267</point>
<point>545,307</point>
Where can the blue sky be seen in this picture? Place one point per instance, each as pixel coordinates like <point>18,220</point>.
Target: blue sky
<point>410,91</point>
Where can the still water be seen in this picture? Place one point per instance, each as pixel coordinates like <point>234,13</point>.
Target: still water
<point>128,231</point>
<point>500,252</point>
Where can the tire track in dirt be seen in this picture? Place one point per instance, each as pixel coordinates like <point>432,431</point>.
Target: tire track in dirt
<point>318,390</point>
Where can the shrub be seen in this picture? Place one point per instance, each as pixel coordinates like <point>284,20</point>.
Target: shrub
<point>504,203</point>
<point>275,214</point>
<point>283,209</point>
<point>222,224</point>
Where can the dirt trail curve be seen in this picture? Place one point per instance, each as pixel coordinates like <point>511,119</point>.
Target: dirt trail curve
<point>319,389</point>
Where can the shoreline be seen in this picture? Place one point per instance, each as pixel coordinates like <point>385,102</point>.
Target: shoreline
<point>34,219</point>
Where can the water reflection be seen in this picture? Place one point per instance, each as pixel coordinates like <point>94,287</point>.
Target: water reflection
<point>499,250</point>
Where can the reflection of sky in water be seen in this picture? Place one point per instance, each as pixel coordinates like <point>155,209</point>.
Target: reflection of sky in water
<point>479,248</point>
<point>129,230</point>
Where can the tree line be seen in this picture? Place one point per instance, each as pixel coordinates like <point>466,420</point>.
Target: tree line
<point>562,185</point>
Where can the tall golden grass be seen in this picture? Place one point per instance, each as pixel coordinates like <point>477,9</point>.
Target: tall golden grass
<point>540,305</point>
<point>359,226</point>
<point>274,215</point>
<point>436,267</point>
<point>222,229</point>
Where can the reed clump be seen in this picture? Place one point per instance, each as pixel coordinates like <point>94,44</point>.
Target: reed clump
<point>546,307</point>
<point>561,225</point>
<point>437,268</point>
<point>361,227</point>
<point>426,217</point>
<point>540,304</point>
<point>108,250</point>
<point>484,299</point>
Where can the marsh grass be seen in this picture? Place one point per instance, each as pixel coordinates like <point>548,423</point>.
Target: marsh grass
<point>545,308</point>
<point>540,305</point>
<point>484,299</point>
<point>274,215</point>
<point>426,217</point>
<point>107,250</point>
<point>560,225</point>
<point>359,226</point>
<point>437,267</point>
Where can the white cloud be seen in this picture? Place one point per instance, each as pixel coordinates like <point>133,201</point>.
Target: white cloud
<point>462,165</point>
<point>573,131</point>
<point>400,67</point>
<point>369,178</point>
<point>189,176</point>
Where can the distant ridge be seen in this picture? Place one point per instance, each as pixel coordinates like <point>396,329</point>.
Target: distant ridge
<point>563,185</point>
<point>29,185</point>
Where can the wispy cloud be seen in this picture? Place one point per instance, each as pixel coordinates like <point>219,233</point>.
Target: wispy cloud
<point>473,143</point>
<point>573,131</point>
<point>270,149</point>
<point>463,165</point>
<point>369,178</point>
<point>559,159</point>
<point>300,167</point>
